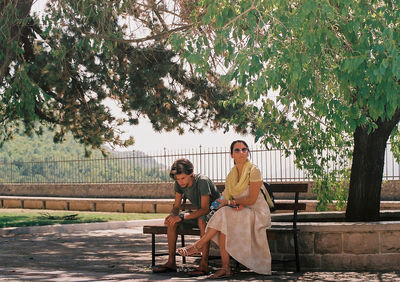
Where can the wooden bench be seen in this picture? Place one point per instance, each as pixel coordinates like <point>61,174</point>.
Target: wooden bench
<point>293,205</point>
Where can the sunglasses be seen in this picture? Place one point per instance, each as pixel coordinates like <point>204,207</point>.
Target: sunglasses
<point>244,150</point>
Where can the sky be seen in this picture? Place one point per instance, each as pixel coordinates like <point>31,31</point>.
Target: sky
<point>147,140</point>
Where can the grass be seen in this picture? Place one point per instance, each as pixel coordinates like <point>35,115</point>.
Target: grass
<point>24,217</point>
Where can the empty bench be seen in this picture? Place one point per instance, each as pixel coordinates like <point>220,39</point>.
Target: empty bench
<point>292,205</point>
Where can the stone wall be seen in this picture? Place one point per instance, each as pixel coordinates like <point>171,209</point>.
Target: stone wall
<point>390,190</point>
<point>122,190</point>
<point>343,246</point>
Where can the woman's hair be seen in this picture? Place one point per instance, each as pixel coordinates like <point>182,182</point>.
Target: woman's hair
<point>181,166</point>
<point>239,141</point>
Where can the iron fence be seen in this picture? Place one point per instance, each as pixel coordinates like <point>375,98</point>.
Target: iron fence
<point>137,167</point>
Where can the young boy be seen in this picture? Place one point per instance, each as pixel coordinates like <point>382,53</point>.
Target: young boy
<point>201,192</point>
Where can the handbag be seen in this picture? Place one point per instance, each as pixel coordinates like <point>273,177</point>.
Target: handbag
<point>268,196</point>
<point>213,208</point>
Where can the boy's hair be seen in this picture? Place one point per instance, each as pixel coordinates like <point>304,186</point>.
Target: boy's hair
<point>181,166</point>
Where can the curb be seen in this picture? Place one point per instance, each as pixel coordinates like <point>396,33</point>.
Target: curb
<point>76,227</point>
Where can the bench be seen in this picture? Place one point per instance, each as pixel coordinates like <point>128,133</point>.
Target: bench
<point>293,205</point>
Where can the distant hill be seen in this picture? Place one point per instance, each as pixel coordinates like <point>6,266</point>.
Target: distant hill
<point>42,148</point>
<point>39,148</point>
<point>38,159</point>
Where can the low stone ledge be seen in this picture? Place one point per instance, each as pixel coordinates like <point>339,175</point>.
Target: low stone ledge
<point>348,226</point>
<point>342,246</point>
<point>390,190</point>
<point>328,243</point>
<point>390,241</point>
<point>88,204</point>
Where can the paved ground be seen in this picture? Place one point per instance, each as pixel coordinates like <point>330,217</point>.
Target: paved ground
<point>115,252</point>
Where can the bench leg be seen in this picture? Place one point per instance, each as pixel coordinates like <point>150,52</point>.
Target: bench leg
<point>296,251</point>
<point>153,249</point>
<point>183,245</point>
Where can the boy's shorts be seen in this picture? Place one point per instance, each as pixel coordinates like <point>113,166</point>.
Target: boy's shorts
<point>190,223</point>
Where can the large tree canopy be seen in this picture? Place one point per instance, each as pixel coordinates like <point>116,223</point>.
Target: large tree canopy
<point>60,66</point>
<point>320,78</point>
<point>323,74</point>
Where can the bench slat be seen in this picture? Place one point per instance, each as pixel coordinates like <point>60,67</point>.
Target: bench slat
<point>154,229</point>
<point>289,187</point>
<point>161,229</point>
<point>273,233</point>
<point>278,205</point>
<point>278,187</point>
<point>290,206</point>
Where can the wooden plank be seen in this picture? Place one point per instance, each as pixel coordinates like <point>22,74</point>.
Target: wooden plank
<point>278,187</point>
<point>279,206</point>
<point>289,187</point>
<point>162,229</point>
<point>290,206</point>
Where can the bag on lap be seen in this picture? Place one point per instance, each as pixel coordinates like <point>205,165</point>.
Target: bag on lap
<point>213,208</point>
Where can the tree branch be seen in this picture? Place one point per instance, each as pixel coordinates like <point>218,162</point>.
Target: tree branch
<point>139,40</point>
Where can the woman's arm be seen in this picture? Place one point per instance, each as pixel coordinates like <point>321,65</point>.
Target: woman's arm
<point>254,189</point>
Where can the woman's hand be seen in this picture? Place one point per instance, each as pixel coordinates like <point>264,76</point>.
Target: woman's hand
<point>231,203</point>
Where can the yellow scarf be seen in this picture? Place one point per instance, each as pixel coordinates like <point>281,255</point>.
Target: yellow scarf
<point>235,186</point>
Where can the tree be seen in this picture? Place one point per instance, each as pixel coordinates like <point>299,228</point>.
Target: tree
<point>333,67</point>
<point>58,68</point>
<point>324,76</point>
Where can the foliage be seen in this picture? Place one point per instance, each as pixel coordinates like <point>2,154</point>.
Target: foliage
<point>60,68</point>
<point>332,190</point>
<point>38,148</point>
<point>315,70</point>
<point>318,77</point>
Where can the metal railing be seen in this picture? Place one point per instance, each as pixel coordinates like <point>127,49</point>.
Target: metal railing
<point>137,167</point>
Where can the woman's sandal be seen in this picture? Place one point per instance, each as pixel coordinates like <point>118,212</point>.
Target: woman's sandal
<point>189,250</point>
<point>220,273</point>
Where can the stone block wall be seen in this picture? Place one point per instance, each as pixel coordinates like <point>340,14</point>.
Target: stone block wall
<point>88,204</point>
<point>390,190</point>
<point>343,247</point>
<point>96,190</point>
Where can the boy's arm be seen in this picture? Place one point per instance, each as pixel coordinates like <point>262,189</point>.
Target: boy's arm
<point>205,208</point>
<point>177,204</point>
<point>173,217</point>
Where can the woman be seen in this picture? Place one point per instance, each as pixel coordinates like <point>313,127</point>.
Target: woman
<point>240,233</point>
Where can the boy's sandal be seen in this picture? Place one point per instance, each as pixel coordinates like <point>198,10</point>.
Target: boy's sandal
<point>189,250</point>
<point>220,273</point>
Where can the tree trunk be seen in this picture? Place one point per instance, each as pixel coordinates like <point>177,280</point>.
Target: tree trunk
<point>367,170</point>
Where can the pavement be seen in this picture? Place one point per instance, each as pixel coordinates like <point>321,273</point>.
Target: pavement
<point>118,251</point>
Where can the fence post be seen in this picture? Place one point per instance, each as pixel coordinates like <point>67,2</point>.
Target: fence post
<point>165,163</point>
<point>200,156</point>
<point>11,172</point>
